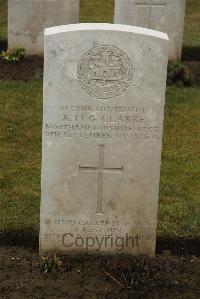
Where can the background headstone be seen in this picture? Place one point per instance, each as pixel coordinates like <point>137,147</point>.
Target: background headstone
<point>104,96</point>
<point>162,15</point>
<point>28,18</point>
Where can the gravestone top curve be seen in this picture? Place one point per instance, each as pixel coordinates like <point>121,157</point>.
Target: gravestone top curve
<point>105,26</point>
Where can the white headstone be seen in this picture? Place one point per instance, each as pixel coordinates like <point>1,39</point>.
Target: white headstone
<point>162,15</point>
<point>104,96</point>
<point>28,18</point>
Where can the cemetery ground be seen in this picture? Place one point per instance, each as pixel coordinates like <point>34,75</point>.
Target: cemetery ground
<point>22,274</point>
<point>175,272</point>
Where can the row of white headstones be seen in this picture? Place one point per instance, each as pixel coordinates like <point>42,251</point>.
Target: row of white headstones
<point>28,18</point>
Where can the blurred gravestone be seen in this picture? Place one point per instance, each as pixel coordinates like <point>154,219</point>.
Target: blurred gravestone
<point>28,18</point>
<point>104,96</point>
<point>162,15</point>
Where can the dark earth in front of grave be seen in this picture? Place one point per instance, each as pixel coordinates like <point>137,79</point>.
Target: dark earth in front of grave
<point>32,69</point>
<point>22,275</point>
<point>29,69</point>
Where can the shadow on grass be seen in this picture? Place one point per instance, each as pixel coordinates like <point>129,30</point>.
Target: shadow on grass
<point>3,45</point>
<point>21,238</point>
<point>178,246</point>
<point>191,54</point>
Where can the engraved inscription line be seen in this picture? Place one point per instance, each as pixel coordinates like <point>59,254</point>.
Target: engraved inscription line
<point>150,6</point>
<point>100,170</point>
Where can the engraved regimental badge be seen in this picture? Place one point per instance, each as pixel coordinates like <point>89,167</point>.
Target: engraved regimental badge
<point>105,72</point>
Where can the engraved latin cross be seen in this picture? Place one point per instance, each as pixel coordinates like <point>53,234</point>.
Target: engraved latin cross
<point>100,170</point>
<point>151,4</point>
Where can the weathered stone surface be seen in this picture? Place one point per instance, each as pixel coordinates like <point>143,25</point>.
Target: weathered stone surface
<point>28,18</point>
<point>104,96</point>
<point>162,15</point>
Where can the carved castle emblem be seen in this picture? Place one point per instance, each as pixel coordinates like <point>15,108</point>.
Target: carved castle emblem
<point>105,72</point>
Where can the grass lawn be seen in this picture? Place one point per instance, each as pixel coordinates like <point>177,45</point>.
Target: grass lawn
<point>192,24</point>
<point>3,20</point>
<point>179,209</point>
<point>20,156</point>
